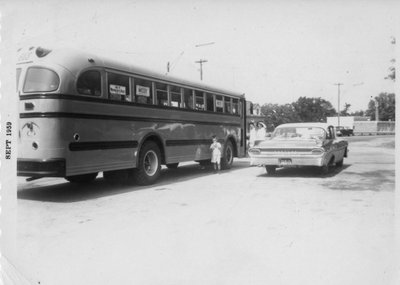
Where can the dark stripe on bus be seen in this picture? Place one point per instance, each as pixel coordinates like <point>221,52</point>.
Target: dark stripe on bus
<point>81,146</point>
<point>118,118</point>
<point>187,142</point>
<point>116,102</point>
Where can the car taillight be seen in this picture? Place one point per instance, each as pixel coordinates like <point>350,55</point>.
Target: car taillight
<point>317,151</point>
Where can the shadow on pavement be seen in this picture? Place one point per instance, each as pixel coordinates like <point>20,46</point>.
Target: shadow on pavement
<point>305,171</point>
<point>61,191</point>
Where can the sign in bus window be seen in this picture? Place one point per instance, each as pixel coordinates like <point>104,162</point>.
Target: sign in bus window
<point>118,87</point>
<point>143,91</point>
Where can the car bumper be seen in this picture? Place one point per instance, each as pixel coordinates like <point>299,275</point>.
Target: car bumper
<point>310,160</point>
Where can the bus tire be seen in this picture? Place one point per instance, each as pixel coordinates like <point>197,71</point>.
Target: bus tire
<point>82,178</point>
<point>227,157</point>
<point>172,165</point>
<point>149,167</point>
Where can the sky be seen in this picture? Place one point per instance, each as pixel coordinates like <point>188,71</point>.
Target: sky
<point>273,51</point>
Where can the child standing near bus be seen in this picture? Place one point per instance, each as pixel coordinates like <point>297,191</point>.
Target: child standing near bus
<point>216,153</point>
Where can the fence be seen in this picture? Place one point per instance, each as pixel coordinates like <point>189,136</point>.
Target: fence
<point>374,128</point>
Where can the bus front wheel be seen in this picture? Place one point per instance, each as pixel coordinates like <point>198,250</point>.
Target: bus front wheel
<point>227,158</point>
<point>149,167</point>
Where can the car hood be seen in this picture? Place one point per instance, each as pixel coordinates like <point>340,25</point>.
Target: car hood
<point>292,143</point>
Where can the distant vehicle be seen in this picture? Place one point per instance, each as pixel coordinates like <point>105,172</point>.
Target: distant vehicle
<point>82,114</point>
<point>300,144</point>
<point>344,131</point>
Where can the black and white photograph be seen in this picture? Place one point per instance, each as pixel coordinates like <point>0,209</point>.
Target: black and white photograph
<point>198,142</point>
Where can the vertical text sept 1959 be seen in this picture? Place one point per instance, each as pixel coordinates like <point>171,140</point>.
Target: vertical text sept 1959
<point>8,141</point>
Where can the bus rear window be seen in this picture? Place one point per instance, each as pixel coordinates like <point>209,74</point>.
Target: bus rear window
<point>40,79</point>
<point>18,75</point>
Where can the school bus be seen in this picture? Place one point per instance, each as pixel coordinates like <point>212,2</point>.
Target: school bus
<point>82,114</point>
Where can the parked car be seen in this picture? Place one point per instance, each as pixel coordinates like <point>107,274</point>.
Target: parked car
<point>300,144</point>
<point>344,131</point>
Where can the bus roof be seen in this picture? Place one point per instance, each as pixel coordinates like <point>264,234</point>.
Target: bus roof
<point>75,61</point>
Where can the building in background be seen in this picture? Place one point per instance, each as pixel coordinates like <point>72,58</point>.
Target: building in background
<point>363,125</point>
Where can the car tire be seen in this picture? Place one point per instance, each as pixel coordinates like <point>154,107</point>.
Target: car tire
<point>339,163</point>
<point>271,169</point>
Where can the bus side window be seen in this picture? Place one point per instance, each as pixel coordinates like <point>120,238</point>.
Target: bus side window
<point>187,98</point>
<point>219,103</point>
<point>199,100</point>
<point>176,98</point>
<point>210,102</point>
<point>235,106</point>
<point>162,94</point>
<point>143,91</point>
<point>228,105</point>
<point>118,87</point>
<point>89,83</point>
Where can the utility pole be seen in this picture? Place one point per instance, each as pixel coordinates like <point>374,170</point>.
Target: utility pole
<point>201,61</point>
<point>338,114</point>
<point>376,103</point>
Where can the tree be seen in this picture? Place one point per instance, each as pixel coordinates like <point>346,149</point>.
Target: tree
<point>392,69</point>
<point>313,109</point>
<point>386,107</point>
<point>359,113</point>
<point>345,111</point>
<point>276,115</point>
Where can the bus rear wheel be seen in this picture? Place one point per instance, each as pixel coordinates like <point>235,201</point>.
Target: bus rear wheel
<point>149,167</point>
<point>82,178</point>
<point>227,157</point>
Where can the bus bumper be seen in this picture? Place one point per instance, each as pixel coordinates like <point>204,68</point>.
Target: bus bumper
<point>41,168</point>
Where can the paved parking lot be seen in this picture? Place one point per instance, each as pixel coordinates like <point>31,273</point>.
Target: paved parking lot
<point>238,227</point>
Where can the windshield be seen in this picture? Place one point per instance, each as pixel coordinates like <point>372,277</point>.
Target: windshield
<point>303,133</point>
<point>41,79</point>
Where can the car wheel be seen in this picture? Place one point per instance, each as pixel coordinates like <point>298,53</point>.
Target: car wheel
<point>271,169</point>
